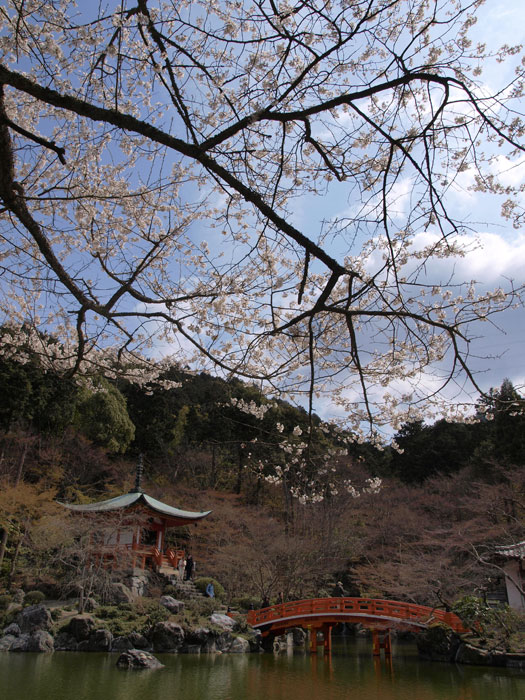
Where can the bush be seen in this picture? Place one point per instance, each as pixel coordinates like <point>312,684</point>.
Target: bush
<point>10,617</point>
<point>5,600</point>
<point>201,584</point>
<point>34,598</point>
<point>246,602</point>
<point>170,589</point>
<point>125,618</point>
<point>495,627</point>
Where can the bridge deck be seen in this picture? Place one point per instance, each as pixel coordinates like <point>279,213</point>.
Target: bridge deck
<point>375,613</point>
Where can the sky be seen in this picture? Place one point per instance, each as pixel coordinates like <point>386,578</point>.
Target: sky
<point>497,249</point>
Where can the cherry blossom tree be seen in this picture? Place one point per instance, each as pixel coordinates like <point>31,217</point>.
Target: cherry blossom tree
<point>165,168</point>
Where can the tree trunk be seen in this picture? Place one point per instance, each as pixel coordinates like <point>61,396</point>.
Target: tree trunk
<point>21,464</point>
<point>15,559</point>
<point>238,485</point>
<point>3,545</point>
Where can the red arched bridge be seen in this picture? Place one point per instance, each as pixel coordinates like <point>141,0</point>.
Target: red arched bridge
<point>321,614</point>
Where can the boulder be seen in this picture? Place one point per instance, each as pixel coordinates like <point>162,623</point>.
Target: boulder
<point>138,640</point>
<point>173,605</point>
<point>137,659</point>
<point>38,640</point>
<point>121,594</point>
<point>80,627</point>
<point>18,596</point>
<point>34,617</point>
<point>98,640</point>
<point>122,644</point>
<point>223,621</point>
<point>438,643</point>
<point>13,629</point>
<point>254,639</point>
<point>90,604</point>
<point>223,641</point>
<point>280,643</point>
<point>298,637</point>
<point>65,642</point>
<point>197,635</point>
<point>7,641</point>
<point>239,646</point>
<point>167,636</point>
<point>475,656</point>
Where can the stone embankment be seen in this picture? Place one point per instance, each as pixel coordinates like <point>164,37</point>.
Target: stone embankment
<point>33,630</point>
<point>442,644</point>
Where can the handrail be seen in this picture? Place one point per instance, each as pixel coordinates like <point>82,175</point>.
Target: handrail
<point>317,609</point>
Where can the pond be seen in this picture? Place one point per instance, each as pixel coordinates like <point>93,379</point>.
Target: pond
<point>351,673</point>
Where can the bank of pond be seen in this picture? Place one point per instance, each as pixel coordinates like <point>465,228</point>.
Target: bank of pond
<point>349,672</point>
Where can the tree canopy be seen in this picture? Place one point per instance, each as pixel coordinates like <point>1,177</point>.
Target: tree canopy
<point>165,167</point>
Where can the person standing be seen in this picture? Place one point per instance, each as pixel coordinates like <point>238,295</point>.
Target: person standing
<point>189,568</point>
<point>181,565</point>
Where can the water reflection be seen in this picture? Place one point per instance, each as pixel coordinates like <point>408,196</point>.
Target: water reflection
<point>350,673</point>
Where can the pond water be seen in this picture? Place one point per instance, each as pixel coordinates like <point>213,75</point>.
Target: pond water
<point>351,673</point>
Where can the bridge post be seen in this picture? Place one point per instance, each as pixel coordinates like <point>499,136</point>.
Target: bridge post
<point>313,639</point>
<point>327,638</point>
<point>381,640</point>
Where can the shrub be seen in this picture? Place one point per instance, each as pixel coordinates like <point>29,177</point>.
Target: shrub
<point>5,600</point>
<point>10,617</point>
<point>170,589</point>
<point>246,603</point>
<point>201,584</point>
<point>33,598</point>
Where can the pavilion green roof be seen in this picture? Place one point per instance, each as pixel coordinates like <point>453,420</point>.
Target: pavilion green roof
<point>136,498</point>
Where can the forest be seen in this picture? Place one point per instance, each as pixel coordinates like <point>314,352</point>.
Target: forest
<point>417,520</point>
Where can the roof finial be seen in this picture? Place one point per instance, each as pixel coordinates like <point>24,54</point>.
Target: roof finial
<point>138,476</point>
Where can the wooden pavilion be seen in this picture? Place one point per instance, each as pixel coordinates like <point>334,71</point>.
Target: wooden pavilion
<point>130,530</point>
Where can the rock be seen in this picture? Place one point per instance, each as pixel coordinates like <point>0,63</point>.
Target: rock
<point>280,643</point>
<point>121,594</point>
<point>167,636</point>
<point>239,646</point>
<point>298,637</point>
<point>190,649</point>
<point>469,654</point>
<point>13,629</point>
<point>38,640</point>
<point>122,644</point>
<point>18,597</point>
<point>138,640</point>
<point>34,617</point>
<point>223,641</point>
<point>90,604</point>
<point>80,627</point>
<point>7,641</point>
<point>254,640</point>
<point>98,640</point>
<point>197,635</point>
<point>65,642</point>
<point>173,605</point>
<point>223,621</point>
<point>138,584</point>
<point>438,643</point>
<point>137,659</point>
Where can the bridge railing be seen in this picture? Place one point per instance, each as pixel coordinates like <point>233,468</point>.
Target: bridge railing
<point>358,608</point>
